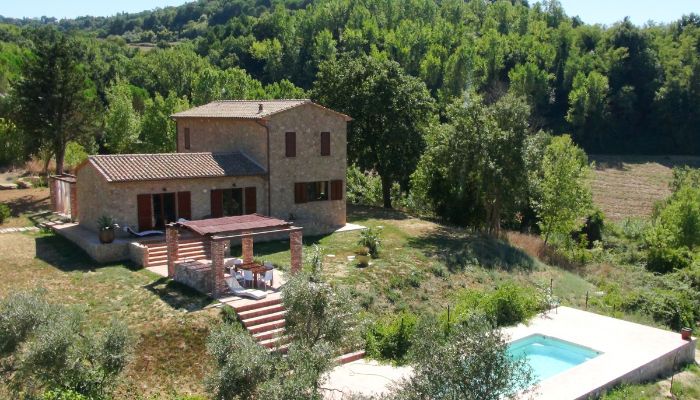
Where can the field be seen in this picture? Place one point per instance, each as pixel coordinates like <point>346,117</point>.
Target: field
<point>628,186</point>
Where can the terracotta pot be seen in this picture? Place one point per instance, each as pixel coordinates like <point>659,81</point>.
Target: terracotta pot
<point>362,259</point>
<point>685,333</point>
<point>106,235</point>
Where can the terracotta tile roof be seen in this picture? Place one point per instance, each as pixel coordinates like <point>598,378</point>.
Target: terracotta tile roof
<point>142,167</point>
<point>239,223</point>
<point>247,109</point>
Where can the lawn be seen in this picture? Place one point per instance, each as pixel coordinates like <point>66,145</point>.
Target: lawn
<point>422,266</point>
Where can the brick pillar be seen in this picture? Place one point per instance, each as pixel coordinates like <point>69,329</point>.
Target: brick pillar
<point>247,249</point>
<point>295,246</point>
<point>217,266</point>
<point>73,201</point>
<point>53,183</point>
<point>171,244</point>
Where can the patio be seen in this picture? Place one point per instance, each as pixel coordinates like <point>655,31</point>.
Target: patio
<point>210,275</point>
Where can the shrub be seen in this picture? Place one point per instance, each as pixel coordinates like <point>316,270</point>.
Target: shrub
<point>371,239</point>
<point>63,394</point>
<point>667,259</point>
<point>228,314</point>
<point>509,304</point>
<point>4,213</point>
<point>392,337</point>
<point>363,187</point>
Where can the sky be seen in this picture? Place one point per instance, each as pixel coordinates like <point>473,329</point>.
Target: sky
<point>590,11</point>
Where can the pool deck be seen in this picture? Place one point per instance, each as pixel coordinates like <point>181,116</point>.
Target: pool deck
<point>632,352</point>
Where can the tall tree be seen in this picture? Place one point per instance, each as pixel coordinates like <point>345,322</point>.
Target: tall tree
<point>122,122</point>
<point>391,111</point>
<point>563,194</point>
<point>56,101</point>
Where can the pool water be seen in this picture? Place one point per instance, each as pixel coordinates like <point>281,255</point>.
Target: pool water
<point>549,356</point>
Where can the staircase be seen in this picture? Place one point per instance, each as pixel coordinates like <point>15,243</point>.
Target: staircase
<point>264,319</point>
<point>157,253</point>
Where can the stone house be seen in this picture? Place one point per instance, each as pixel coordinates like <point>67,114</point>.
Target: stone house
<point>282,158</point>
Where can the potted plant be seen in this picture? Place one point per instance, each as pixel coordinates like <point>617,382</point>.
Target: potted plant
<point>362,256</point>
<point>370,238</point>
<point>685,333</point>
<point>107,227</point>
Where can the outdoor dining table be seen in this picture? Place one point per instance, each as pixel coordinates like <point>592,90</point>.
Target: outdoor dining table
<point>255,268</point>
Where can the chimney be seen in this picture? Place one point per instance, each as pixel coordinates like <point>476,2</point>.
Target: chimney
<point>260,108</point>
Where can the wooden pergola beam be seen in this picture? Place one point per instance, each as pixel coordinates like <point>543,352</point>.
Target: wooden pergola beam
<point>240,235</point>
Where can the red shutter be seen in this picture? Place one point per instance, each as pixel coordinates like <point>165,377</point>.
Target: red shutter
<point>145,214</point>
<point>187,138</point>
<point>337,189</point>
<point>251,200</point>
<point>184,205</point>
<point>325,143</point>
<point>217,203</point>
<point>299,192</point>
<point>290,142</point>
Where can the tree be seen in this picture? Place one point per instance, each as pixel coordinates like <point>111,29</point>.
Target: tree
<point>391,111</point>
<point>563,194</point>
<point>56,101</point>
<point>158,130</point>
<point>469,360</point>
<point>44,346</point>
<point>588,109</point>
<point>473,169</point>
<point>122,122</point>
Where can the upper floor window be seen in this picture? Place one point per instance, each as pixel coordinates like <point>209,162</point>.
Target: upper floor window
<point>187,138</point>
<point>325,143</point>
<point>290,144</point>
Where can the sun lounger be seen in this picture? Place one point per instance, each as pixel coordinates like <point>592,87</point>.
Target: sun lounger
<point>142,233</point>
<point>240,291</point>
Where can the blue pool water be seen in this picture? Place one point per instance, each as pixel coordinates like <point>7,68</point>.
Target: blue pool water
<point>549,356</point>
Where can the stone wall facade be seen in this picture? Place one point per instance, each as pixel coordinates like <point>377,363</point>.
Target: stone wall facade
<point>308,121</point>
<point>221,135</point>
<point>97,197</point>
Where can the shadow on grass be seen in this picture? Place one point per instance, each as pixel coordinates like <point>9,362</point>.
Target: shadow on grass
<point>617,162</point>
<point>27,204</point>
<point>275,246</point>
<point>177,295</point>
<point>360,213</point>
<point>459,250</point>
<point>66,256</point>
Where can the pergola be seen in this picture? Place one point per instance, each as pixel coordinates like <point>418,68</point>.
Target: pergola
<point>217,232</point>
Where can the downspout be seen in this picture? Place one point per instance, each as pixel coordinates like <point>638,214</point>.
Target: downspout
<point>263,122</point>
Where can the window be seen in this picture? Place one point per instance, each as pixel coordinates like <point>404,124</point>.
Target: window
<point>337,189</point>
<point>187,138</point>
<point>310,191</point>
<point>290,142</point>
<point>230,202</point>
<point>325,143</point>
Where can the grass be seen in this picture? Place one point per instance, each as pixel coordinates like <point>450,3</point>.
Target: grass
<point>686,386</point>
<point>628,186</point>
<point>23,203</point>
<point>169,355</point>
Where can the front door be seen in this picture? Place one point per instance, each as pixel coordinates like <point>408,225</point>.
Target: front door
<point>164,209</point>
<point>233,202</point>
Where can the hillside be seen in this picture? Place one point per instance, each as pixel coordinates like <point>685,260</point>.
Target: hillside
<point>629,186</point>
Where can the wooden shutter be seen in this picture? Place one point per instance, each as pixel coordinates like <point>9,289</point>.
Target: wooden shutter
<point>337,189</point>
<point>325,143</point>
<point>184,205</point>
<point>290,143</point>
<point>217,203</point>
<point>251,199</point>
<point>299,192</point>
<point>144,211</point>
<point>187,138</point>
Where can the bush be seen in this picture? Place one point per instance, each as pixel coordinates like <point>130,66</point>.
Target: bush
<point>667,259</point>
<point>4,213</point>
<point>363,187</point>
<point>371,239</point>
<point>392,337</point>
<point>63,394</point>
<point>509,304</point>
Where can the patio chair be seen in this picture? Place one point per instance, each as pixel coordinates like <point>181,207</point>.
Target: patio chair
<point>267,278</point>
<point>240,291</point>
<point>142,233</point>
<point>248,277</point>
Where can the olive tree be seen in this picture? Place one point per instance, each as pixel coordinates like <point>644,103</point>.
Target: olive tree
<point>468,360</point>
<point>43,346</point>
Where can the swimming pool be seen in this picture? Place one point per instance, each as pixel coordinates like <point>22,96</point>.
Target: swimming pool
<point>549,356</point>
